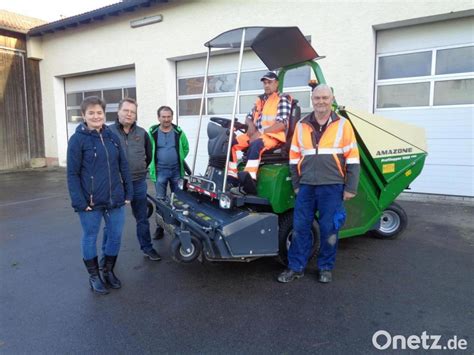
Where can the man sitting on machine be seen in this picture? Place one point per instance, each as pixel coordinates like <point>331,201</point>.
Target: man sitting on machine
<point>267,123</point>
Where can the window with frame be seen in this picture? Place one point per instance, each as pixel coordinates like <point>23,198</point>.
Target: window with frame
<point>111,96</point>
<point>219,98</point>
<point>428,78</point>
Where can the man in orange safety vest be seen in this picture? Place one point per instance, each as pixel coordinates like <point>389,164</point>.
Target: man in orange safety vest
<point>324,164</point>
<point>267,124</point>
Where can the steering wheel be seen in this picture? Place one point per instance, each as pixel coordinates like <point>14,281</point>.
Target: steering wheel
<point>226,122</point>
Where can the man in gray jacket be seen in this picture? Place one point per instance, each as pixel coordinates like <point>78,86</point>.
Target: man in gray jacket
<point>137,147</point>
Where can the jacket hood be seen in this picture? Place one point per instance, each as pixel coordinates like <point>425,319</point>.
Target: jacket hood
<point>83,129</point>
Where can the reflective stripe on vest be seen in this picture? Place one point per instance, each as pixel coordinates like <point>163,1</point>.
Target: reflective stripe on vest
<point>333,146</point>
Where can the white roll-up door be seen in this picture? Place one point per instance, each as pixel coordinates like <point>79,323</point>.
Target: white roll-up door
<point>112,86</point>
<point>425,76</point>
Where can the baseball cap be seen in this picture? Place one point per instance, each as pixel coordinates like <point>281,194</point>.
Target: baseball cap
<point>269,76</point>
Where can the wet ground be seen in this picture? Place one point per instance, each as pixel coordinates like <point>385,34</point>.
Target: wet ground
<point>422,281</point>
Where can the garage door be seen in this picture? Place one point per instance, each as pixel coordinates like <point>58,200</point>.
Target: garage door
<point>425,76</point>
<point>220,94</point>
<point>112,86</point>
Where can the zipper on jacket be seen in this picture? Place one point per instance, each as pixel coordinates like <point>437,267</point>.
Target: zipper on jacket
<point>91,202</point>
<point>108,166</point>
<point>91,197</point>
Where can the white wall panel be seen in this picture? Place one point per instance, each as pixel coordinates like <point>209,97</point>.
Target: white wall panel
<point>438,34</point>
<point>112,79</point>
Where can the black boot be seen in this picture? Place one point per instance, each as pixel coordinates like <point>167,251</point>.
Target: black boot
<point>108,272</point>
<point>95,282</point>
<point>247,183</point>
<point>101,263</point>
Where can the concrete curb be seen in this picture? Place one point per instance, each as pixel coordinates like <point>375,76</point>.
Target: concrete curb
<point>447,199</point>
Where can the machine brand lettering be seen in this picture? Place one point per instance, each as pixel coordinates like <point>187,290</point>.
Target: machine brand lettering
<point>394,151</point>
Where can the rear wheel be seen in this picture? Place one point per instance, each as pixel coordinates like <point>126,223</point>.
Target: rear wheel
<point>186,255</point>
<point>285,236</point>
<point>393,222</point>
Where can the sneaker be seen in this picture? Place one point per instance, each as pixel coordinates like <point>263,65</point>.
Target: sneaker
<point>324,276</point>
<point>289,275</point>
<point>152,255</point>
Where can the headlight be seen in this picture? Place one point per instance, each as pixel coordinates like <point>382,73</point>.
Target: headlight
<point>225,201</point>
<point>181,184</point>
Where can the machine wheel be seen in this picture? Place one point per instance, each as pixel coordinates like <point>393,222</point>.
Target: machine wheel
<point>392,222</point>
<point>150,209</point>
<point>285,236</point>
<point>185,256</point>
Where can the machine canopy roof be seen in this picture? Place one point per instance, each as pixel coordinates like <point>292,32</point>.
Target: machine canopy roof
<point>275,46</point>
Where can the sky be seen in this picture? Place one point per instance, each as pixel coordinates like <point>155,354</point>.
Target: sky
<point>52,10</point>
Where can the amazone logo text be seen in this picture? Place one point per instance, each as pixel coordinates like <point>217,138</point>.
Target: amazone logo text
<point>394,151</point>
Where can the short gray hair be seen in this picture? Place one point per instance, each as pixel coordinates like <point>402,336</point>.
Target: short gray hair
<point>323,87</point>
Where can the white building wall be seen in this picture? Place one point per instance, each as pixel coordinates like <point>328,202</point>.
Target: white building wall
<point>341,31</point>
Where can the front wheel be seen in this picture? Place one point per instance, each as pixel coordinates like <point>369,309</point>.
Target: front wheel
<point>185,255</point>
<point>285,236</point>
<point>393,222</point>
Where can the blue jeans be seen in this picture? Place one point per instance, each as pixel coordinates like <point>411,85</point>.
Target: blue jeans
<point>327,199</point>
<point>163,176</point>
<point>140,211</point>
<point>90,221</point>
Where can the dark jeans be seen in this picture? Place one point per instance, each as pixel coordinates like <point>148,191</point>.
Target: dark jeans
<point>165,176</point>
<point>90,221</point>
<point>327,199</point>
<point>139,210</point>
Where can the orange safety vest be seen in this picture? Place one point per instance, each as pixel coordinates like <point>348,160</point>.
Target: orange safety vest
<point>337,148</point>
<point>267,111</point>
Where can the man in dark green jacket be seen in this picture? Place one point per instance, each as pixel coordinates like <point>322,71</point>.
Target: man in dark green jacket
<point>169,149</point>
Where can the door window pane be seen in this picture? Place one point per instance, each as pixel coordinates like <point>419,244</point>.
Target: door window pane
<point>251,80</point>
<point>113,96</point>
<point>74,116</point>
<point>220,105</point>
<point>93,93</point>
<point>454,92</point>
<point>455,60</point>
<point>111,116</point>
<point>191,86</point>
<point>297,77</point>
<point>221,83</point>
<point>404,65</point>
<point>189,107</point>
<point>403,95</point>
<point>74,99</point>
<point>303,98</point>
<point>130,93</point>
<point>246,103</point>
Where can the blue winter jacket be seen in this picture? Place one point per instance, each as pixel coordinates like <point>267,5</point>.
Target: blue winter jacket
<point>97,170</point>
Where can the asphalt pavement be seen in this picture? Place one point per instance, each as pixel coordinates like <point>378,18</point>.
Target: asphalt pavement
<point>420,283</point>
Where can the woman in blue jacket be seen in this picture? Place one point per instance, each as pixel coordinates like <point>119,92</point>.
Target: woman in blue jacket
<point>100,185</point>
